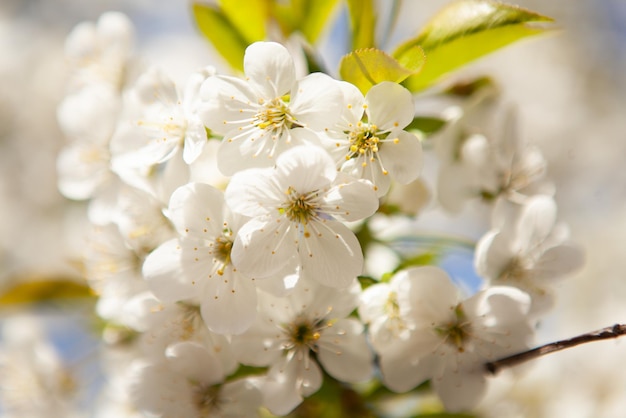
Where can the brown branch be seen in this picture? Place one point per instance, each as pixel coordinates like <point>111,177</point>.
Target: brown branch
<point>615,331</point>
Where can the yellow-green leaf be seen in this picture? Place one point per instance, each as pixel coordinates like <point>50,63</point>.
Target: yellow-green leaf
<point>45,290</point>
<point>318,12</point>
<point>465,31</point>
<point>309,17</point>
<point>367,67</point>
<point>226,39</point>
<point>248,17</point>
<point>362,23</point>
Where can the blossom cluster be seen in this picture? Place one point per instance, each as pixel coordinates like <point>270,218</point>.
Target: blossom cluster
<point>224,241</point>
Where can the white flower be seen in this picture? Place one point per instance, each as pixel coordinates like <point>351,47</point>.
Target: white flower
<point>295,209</point>
<point>141,221</point>
<point>480,164</point>
<point>113,270</point>
<point>432,334</point>
<point>87,118</point>
<point>190,383</point>
<point>291,333</point>
<point>160,121</point>
<point>197,266</point>
<point>99,53</point>
<point>527,249</point>
<point>164,324</point>
<point>369,143</point>
<point>269,111</point>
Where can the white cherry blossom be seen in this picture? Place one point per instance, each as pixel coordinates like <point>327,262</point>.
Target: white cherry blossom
<point>369,142</point>
<point>293,333</point>
<point>190,383</point>
<point>430,333</point>
<point>197,265</point>
<point>268,112</point>
<point>528,249</point>
<point>100,52</point>
<point>296,210</point>
<point>159,120</point>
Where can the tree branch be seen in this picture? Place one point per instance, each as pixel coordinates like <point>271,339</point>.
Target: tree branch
<point>614,331</point>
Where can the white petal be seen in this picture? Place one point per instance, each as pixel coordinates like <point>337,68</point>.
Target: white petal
<point>230,304</point>
<point>389,106</point>
<point>353,101</point>
<point>195,362</point>
<point>493,255</point>
<point>226,103</point>
<point>316,102</point>
<point>196,209</point>
<point>263,248</point>
<point>331,254</point>
<point>82,168</point>
<point>162,268</point>
<point>254,192</point>
<point>559,261</point>
<point>195,139</point>
<point>426,294</point>
<point>403,159</point>
<point>460,391</point>
<point>305,168</point>
<point>154,86</point>
<point>407,363</point>
<point>344,352</point>
<point>535,223</point>
<point>270,69</point>
<point>373,300</point>
<point>350,201</point>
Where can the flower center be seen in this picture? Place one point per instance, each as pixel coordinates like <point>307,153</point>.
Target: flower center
<point>221,250</point>
<point>300,208</point>
<point>303,334</point>
<point>274,115</point>
<point>363,140</point>
<point>458,332</point>
<point>189,320</point>
<point>206,399</point>
<point>515,270</point>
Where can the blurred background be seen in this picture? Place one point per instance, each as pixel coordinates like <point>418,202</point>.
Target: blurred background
<point>569,88</point>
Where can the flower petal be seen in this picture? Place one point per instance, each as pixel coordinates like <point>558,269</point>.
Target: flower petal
<point>254,192</point>
<point>316,102</point>
<point>163,271</point>
<point>196,209</point>
<point>263,247</point>
<point>269,68</point>
<point>227,103</point>
<point>331,254</point>
<point>230,303</point>
<point>305,168</point>
<point>344,353</point>
<point>389,106</point>
<point>401,155</point>
<point>350,200</point>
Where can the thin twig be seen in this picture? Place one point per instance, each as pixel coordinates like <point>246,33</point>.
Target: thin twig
<point>614,331</point>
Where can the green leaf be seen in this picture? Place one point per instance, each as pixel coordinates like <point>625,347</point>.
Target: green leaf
<point>465,31</point>
<point>468,88</point>
<point>426,125</point>
<point>424,259</point>
<point>366,281</point>
<point>309,17</point>
<point>367,67</point>
<point>362,23</point>
<point>247,17</point>
<point>45,289</point>
<point>316,17</point>
<point>226,39</point>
